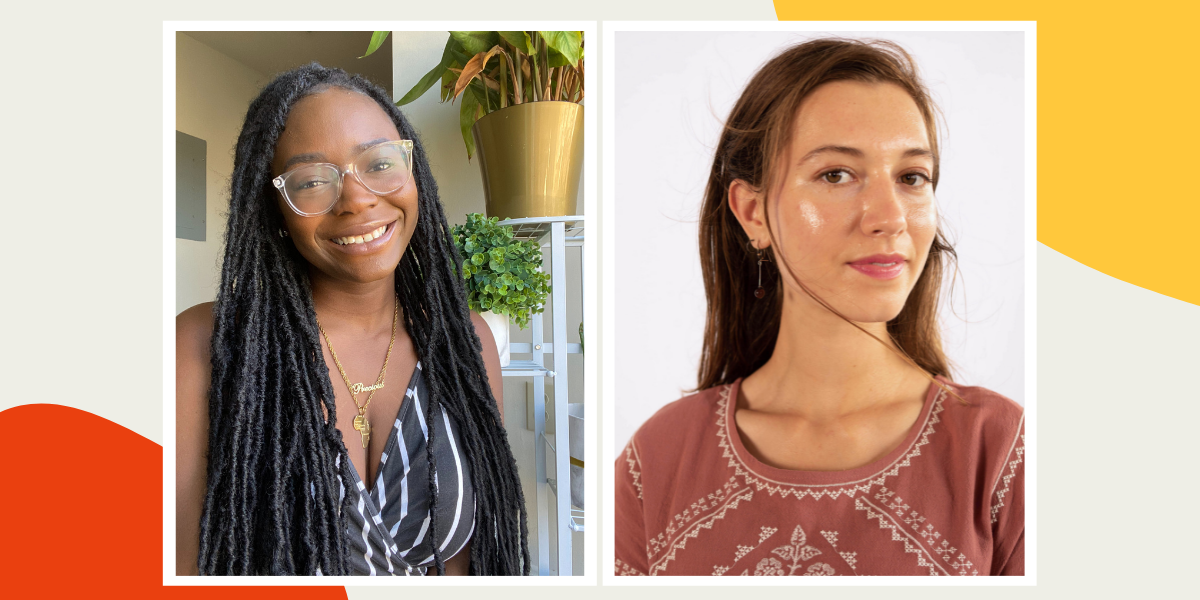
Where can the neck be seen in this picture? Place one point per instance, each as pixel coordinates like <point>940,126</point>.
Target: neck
<point>362,307</point>
<point>823,367</point>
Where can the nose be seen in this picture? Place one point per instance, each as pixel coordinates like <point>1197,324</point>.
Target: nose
<point>355,196</point>
<point>883,210</point>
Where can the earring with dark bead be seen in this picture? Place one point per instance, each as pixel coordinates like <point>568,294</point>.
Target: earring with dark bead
<point>760,292</point>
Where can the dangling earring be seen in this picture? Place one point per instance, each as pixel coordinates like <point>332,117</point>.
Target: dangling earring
<point>283,232</point>
<point>760,292</point>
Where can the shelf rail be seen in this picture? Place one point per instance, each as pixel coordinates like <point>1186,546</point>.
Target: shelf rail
<point>548,364</point>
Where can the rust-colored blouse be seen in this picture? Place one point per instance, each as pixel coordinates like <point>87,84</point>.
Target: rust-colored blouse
<point>949,500</point>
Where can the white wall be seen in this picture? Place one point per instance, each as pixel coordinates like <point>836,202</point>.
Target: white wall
<point>667,124</point>
<point>212,92</point>
<point>459,183</point>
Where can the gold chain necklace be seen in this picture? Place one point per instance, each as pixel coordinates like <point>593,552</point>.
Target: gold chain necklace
<point>360,421</point>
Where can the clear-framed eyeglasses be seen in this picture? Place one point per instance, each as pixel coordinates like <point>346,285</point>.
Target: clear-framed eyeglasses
<point>313,189</point>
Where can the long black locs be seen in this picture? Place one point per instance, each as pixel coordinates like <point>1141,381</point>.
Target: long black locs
<point>273,505</point>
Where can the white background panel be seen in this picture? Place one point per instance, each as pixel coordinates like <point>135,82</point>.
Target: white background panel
<point>84,313</point>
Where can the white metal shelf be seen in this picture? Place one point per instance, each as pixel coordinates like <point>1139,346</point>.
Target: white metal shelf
<point>575,519</point>
<point>548,364</point>
<point>525,368</point>
<point>536,228</point>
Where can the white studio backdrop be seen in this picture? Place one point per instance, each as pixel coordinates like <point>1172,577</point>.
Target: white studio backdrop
<point>667,122</point>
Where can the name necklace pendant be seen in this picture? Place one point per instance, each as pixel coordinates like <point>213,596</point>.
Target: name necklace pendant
<point>361,424</point>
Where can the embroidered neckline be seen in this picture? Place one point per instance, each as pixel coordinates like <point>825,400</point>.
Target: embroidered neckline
<point>752,471</point>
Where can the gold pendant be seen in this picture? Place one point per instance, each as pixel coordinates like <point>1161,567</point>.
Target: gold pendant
<point>359,388</point>
<point>363,427</point>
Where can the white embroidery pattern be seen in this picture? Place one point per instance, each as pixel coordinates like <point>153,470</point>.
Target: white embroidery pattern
<point>785,489</point>
<point>624,569</point>
<point>928,533</point>
<point>821,569</point>
<point>768,566</point>
<point>702,514</point>
<point>1019,450</point>
<point>796,552</point>
<point>635,465</point>
<point>851,558</point>
<point>911,545</point>
<point>742,551</point>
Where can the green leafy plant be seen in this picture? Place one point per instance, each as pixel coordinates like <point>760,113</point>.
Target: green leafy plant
<point>503,274</point>
<point>491,70</point>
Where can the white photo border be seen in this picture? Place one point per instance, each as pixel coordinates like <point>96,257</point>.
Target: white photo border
<point>610,28</point>
<point>590,30</point>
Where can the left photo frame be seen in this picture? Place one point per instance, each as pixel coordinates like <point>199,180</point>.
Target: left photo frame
<point>382,283</point>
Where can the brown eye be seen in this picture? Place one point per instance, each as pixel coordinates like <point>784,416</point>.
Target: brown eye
<point>913,179</point>
<point>836,177</point>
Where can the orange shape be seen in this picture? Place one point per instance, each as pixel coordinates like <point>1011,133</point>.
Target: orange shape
<point>81,512</point>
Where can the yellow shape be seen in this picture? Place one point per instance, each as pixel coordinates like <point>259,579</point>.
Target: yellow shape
<point>1118,131</point>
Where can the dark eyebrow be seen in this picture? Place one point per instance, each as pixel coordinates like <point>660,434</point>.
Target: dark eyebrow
<point>317,157</point>
<point>918,153</point>
<point>312,157</point>
<point>855,152</point>
<point>363,146</point>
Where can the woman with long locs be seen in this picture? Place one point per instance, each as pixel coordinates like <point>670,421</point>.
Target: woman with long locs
<point>826,437</point>
<point>339,407</point>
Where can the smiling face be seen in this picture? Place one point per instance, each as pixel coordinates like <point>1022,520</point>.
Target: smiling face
<point>335,126</point>
<point>852,210</point>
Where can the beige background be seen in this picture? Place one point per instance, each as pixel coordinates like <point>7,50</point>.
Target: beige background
<point>1116,408</point>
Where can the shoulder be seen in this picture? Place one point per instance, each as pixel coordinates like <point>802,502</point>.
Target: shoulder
<point>486,339</point>
<point>986,446</point>
<point>682,425</point>
<point>196,321</point>
<point>481,329</point>
<point>988,408</point>
<point>491,359</point>
<point>983,419</point>
<point>193,366</point>
<point>193,331</point>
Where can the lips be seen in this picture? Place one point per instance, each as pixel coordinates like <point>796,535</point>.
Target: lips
<point>880,266</point>
<point>364,239</point>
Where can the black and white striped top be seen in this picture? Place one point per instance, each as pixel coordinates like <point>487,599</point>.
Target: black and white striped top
<point>388,524</point>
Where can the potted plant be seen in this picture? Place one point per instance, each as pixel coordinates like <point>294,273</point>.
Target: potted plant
<point>503,275</point>
<point>519,111</point>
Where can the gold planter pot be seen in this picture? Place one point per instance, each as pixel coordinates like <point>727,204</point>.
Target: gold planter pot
<point>531,158</point>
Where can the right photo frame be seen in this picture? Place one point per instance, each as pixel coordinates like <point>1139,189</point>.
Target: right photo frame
<point>819,287</point>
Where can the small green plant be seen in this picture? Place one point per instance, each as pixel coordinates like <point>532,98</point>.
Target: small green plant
<point>503,274</point>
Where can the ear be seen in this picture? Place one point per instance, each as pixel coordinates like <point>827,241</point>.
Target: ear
<point>749,206</point>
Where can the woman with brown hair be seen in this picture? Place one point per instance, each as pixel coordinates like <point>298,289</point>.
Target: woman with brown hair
<point>827,437</point>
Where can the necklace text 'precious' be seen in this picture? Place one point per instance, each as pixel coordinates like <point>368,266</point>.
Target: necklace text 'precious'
<point>360,420</point>
<point>358,388</point>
